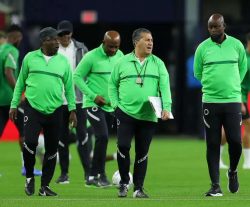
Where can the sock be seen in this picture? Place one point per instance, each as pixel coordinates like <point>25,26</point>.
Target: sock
<point>246,153</point>
<point>221,152</point>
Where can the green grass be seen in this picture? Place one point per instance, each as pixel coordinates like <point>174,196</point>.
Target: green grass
<point>177,176</point>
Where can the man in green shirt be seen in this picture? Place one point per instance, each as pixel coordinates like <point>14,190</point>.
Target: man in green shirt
<point>220,64</point>
<point>44,77</point>
<point>91,77</point>
<point>137,76</point>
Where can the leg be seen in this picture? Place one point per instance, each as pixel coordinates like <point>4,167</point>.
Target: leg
<point>213,124</point>
<point>222,146</point>
<point>98,121</point>
<point>4,117</point>
<point>246,143</point>
<point>63,145</point>
<point>125,133</point>
<point>51,129</point>
<point>82,139</point>
<point>143,137</point>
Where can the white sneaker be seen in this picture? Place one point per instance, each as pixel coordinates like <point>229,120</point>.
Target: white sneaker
<point>222,165</point>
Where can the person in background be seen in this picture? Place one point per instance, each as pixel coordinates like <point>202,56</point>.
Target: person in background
<point>91,77</point>
<point>43,76</point>
<point>73,51</point>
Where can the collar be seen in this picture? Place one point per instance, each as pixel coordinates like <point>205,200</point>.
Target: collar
<point>133,58</point>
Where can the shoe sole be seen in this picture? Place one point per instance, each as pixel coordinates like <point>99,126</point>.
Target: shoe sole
<point>214,195</point>
<point>64,182</point>
<point>228,186</point>
<point>29,194</point>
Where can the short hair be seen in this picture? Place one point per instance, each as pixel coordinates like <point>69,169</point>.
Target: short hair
<point>13,28</point>
<point>136,36</point>
<point>248,36</point>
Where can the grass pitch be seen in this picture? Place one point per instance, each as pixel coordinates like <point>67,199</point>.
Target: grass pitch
<point>177,176</point>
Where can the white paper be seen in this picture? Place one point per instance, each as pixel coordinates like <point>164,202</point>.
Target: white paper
<point>157,106</point>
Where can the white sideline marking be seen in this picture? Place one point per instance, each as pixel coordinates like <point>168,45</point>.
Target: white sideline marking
<point>134,199</point>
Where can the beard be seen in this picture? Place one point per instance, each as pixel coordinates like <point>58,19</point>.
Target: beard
<point>216,37</point>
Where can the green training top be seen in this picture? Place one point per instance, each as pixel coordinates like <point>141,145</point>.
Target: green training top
<point>245,85</point>
<point>8,59</point>
<point>96,68</point>
<point>44,82</point>
<point>131,97</point>
<point>220,68</point>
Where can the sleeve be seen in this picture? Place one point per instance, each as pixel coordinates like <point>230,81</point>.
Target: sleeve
<point>113,86</point>
<point>198,64</point>
<point>69,87</point>
<point>82,70</point>
<point>242,62</point>
<point>20,84</point>
<point>164,87</point>
<point>11,60</point>
<point>245,86</point>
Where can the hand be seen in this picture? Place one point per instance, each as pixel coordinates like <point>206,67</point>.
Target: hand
<point>243,109</point>
<point>165,115</point>
<point>100,101</point>
<point>72,119</point>
<point>13,114</point>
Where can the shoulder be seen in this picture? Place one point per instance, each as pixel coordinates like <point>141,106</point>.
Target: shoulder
<point>79,45</point>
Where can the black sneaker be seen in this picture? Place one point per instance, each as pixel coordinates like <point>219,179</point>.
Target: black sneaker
<point>214,191</point>
<point>63,179</point>
<point>233,184</point>
<point>30,186</point>
<point>92,181</point>
<point>103,181</point>
<point>46,191</point>
<point>140,194</point>
<point>123,190</point>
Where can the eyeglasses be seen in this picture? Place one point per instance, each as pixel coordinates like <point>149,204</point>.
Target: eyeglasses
<point>63,33</point>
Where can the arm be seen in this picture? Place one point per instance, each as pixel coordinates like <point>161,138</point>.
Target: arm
<point>9,74</point>
<point>164,87</point>
<point>113,86</point>
<point>242,62</point>
<point>82,70</point>
<point>198,64</point>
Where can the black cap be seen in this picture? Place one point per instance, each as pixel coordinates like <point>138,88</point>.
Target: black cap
<point>47,32</point>
<point>64,26</point>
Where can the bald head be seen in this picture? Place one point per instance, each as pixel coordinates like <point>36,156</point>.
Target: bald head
<point>216,27</point>
<point>111,42</point>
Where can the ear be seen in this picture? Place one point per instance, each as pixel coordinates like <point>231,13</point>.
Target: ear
<point>224,25</point>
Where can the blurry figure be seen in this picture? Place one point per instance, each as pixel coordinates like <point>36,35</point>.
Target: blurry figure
<point>3,38</point>
<point>73,51</point>
<point>245,88</point>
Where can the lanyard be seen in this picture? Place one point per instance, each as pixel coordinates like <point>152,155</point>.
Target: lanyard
<point>139,79</point>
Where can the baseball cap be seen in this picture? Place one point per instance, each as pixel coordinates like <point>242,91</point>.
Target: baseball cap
<point>47,32</point>
<point>64,26</point>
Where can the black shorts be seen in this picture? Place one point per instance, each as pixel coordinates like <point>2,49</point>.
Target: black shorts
<point>245,116</point>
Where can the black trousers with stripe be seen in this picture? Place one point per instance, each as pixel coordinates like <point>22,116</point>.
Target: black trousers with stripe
<point>81,139</point>
<point>100,121</point>
<point>127,128</point>
<point>34,122</point>
<point>216,115</point>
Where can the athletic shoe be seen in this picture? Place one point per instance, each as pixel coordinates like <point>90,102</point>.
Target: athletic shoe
<point>46,191</point>
<point>92,181</point>
<point>30,186</point>
<point>139,194</point>
<point>36,172</point>
<point>233,184</point>
<point>214,191</point>
<point>103,181</point>
<point>123,190</point>
<point>63,179</point>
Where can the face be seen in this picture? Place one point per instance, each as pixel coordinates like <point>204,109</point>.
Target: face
<point>17,38</point>
<point>64,38</point>
<point>111,46</point>
<point>145,44</point>
<point>50,46</point>
<point>216,29</point>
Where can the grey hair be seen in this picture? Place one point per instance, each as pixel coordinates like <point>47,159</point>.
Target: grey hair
<point>136,36</point>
